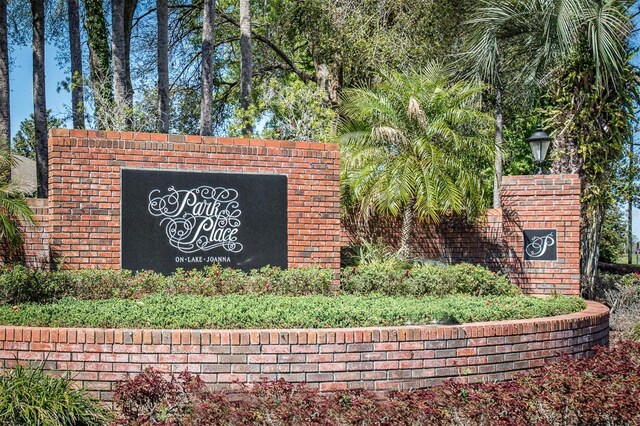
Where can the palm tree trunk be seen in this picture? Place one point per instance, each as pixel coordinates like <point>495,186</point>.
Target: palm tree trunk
<point>77,83</point>
<point>99,61</point>
<point>163,65</point>
<point>246,65</point>
<point>5,115</point>
<point>593,218</point>
<point>39,100</point>
<point>206,101</point>
<point>123,108</point>
<point>408,220</point>
<point>497,165</point>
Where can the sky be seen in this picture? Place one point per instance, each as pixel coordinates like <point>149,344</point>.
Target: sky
<point>59,102</point>
<point>21,82</point>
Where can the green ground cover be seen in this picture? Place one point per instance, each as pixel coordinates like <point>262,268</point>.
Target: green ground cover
<point>162,310</point>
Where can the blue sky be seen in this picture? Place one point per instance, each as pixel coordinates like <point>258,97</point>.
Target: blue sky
<point>21,81</point>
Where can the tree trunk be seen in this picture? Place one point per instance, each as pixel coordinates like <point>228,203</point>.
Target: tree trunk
<point>246,65</point>
<point>39,100</point>
<point>5,115</point>
<point>629,231</point>
<point>123,106</point>
<point>163,65</point>
<point>328,78</point>
<point>129,12</point>
<point>408,220</point>
<point>566,159</point>
<point>206,102</point>
<point>99,61</point>
<point>497,165</point>
<point>77,83</point>
<point>593,218</point>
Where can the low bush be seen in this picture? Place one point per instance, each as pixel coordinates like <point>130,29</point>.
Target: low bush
<point>163,310</point>
<point>425,279</point>
<point>19,284</point>
<point>30,397</point>
<point>603,390</point>
<point>621,292</point>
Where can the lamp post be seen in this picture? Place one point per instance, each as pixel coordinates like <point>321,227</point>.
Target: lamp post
<point>539,142</point>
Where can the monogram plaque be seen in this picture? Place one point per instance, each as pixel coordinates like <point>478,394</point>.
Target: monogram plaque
<point>540,244</point>
<point>188,220</point>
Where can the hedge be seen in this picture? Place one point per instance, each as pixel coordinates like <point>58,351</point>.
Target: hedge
<point>163,310</point>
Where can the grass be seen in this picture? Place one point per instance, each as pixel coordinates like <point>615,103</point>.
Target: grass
<point>270,311</point>
<point>28,396</point>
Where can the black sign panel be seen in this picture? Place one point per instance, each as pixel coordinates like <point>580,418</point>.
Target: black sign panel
<point>540,244</point>
<point>187,220</point>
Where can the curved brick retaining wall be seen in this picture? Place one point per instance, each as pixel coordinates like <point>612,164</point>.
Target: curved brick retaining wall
<point>377,358</point>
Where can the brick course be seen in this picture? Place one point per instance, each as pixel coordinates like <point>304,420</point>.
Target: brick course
<point>84,188</point>
<point>80,223</point>
<point>378,358</point>
<point>496,241</point>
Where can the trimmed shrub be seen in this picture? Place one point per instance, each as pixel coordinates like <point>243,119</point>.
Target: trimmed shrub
<point>603,390</point>
<point>19,284</point>
<point>426,279</point>
<point>30,397</point>
<point>163,310</point>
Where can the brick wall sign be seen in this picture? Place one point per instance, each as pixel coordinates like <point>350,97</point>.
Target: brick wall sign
<point>288,196</point>
<point>540,244</point>
<point>181,219</point>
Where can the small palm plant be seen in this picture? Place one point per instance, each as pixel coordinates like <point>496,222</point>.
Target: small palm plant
<point>14,211</point>
<point>415,145</point>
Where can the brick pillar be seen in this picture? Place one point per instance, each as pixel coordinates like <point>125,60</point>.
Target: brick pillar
<point>36,236</point>
<point>542,212</point>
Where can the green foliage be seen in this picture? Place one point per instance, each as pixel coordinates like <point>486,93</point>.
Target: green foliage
<point>163,310</point>
<point>415,140</point>
<point>424,280</point>
<point>368,253</point>
<point>30,397</point>
<point>296,111</point>
<point>14,213</point>
<point>636,332</point>
<point>24,139</point>
<point>613,239</point>
<point>19,284</point>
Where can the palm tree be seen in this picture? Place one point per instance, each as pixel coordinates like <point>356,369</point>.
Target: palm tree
<point>14,211</point>
<point>5,119</point>
<point>412,146</point>
<point>564,38</point>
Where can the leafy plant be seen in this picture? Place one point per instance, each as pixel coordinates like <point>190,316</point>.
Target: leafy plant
<point>424,279</point>
<point>30,397</point>
<point>19,284</point>
<point>411,147</point>
<point>14,212</point>
<point>602,390</point>
<point>163,310</point>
